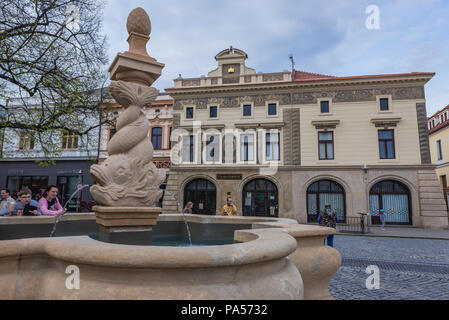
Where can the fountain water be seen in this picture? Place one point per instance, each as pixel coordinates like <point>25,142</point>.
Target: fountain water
<point>183,215</point>
<point>78,189</point>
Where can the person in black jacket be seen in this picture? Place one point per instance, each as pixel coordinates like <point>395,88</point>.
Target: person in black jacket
<point>328,218</point>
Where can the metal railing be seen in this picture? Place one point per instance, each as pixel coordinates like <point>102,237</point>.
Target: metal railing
<point>359,224</point>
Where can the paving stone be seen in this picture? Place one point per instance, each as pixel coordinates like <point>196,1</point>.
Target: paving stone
<point>410,269</point>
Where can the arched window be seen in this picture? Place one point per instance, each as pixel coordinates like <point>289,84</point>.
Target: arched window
<point>156,138</point>
<point>203,194</point>
<point>394,197</point>
<point>325,192</point>
<point>260,198</point>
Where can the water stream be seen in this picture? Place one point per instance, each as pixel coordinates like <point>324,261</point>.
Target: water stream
<point>183,216</point>
<point>65,206</point>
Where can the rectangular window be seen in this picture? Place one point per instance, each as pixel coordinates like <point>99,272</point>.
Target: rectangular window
<point>272,109</point>
<point>272,146</point>
<point>188,148</point>
<point>69,140</point>
<point>386,144</point>
<point>247,110</point>
<point>213,112</point>
<point>383,104</point>
<point>326,145</point>
<point>439,150</point>
<point>247,147</point>
<point>156,138</point>
<point>324,106</point>
<point>189,113</point>
<point>213,148</point>
<point>26,140</point>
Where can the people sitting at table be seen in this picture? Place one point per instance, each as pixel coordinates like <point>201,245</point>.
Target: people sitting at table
<point>49,204</point>
<point>24,206</point>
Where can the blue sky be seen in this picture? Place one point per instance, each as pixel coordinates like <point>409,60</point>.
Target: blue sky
<point>327,37</point>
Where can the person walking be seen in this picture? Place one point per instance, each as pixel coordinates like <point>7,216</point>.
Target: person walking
<point>382,217</point>
<point>49,204</point>
<point>328,218</point>
<point>229,209</point>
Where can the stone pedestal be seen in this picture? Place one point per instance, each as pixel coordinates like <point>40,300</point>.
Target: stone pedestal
<point>126,225</point>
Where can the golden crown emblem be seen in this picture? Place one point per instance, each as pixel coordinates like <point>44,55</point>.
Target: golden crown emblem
<point>231,70</point>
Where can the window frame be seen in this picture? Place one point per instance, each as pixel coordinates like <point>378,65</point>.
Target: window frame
<point>386,145</point>
<point>242,110</point>
<point>27,137</point>
<point>192,145</point>
<point>218,149</point>
<point>185,113</point>
<point>267,104</point>
<point>239,155</point>
<point>439,150</point>
<point>326,142</point>
<point>265,144</point>
<point>70,136</point>
<point>209,109</point>
<point>161,138</point>
<point>329,100</point>
<point>390,103</point>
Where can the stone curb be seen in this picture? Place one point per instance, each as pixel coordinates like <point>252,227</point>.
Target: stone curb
<point>390,236</point>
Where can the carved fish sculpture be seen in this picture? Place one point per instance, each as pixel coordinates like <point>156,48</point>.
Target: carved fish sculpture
<point>128,178</point>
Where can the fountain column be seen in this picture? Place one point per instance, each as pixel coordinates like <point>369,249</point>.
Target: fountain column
<point>127,183</point>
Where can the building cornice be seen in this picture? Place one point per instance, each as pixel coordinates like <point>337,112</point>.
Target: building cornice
<point>421,78</point>
<point>305,168</point>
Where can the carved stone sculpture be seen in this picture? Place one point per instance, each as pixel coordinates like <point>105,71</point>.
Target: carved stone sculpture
<point>128,178</point>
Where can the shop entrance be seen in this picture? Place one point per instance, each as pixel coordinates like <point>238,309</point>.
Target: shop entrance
<point>203,194</point>
<point>394,198</point>
<point>260,198</point>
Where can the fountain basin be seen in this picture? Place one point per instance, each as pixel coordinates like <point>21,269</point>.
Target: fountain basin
<point>263,264</point>
<point>258,269</point>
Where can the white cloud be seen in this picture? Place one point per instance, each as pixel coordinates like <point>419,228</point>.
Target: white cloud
<point>325,36</point>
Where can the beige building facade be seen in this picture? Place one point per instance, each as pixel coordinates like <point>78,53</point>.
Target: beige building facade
<point>438,126</point>
<point>285,144</point>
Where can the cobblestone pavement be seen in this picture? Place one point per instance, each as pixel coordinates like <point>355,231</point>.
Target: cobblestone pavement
<point>409,268</point>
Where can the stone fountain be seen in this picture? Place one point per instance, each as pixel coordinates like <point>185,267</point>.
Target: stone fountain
<point>268,258</point>
<point>127,183</point>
